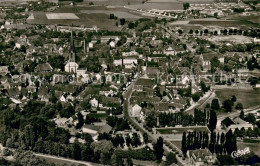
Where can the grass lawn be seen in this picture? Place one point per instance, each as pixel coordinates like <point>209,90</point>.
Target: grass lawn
<point>180,130</point>
<point>248,98</point>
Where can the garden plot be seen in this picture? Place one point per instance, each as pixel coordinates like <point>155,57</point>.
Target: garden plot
<point>61,16</point>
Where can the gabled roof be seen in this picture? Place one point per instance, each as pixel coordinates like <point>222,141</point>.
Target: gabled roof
<point>43,67</point>
<point>227,122</point>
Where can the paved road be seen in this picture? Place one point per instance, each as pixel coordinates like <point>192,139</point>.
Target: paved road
<point>62,159</point>
<point>203,101</point>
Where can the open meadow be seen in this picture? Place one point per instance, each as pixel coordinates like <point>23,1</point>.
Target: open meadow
<point>249,98</point>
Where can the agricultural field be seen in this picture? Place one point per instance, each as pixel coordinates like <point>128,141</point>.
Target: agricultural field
<point>238,39</point>
<point>248,98</point>
<point>119,14</point>
<point>160,6</point>
<point>60,16</point>
<point>88,20</point>
<point>253,18</point>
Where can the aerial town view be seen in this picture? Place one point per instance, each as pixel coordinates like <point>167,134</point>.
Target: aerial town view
<point>129,82</point>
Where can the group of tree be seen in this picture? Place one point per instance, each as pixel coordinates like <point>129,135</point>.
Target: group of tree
<point>253,64</point>
<point>255,132</point>
<point>252,33</point>
<point>220,143</point>
<point>118,124</point>
<point>229,103</point>
<point>172,119</point>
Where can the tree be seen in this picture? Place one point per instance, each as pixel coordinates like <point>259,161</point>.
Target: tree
<point>180,31</point>
<point>145,137</point>
<point>230,144</point>
<point>215,63</point>
<point>191,31</point>
<point>135,140</point>
<point>186,6</point>
<point>80,120</point>
<point>206,31</point>
<point>170,159</point>
<point>23,49</point>
<point>158,149</point>
<point>197,32</point>
<point>242,115</point>
<point>195,97</point>
<point>204,88</point>
<point>122,21</point>
<point>233,98</point>
<point>239,106</point>
<point>150,120</point>
<point>111,16</point>
<point>250,118</point>
<point>129,162</point>
<point>76,151</point>
<point>57,62</point>
<point>131,25</point>
<point>227,105</point>
<point>258,124</point>
<point>215,104</point>
<point>212,120</point>
<point>184,144</point>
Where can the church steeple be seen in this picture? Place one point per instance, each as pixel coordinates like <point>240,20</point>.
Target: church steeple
<point>72,49</point>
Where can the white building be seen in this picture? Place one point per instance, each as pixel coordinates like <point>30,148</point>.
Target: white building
<point>94,103</point>
<point>112,44</point>
<point>135,111</point>
<point>71,67</point>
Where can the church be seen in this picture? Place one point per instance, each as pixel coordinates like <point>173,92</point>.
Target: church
<point>71,66</point>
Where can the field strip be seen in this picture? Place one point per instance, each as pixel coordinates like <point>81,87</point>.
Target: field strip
<point>60,16</point>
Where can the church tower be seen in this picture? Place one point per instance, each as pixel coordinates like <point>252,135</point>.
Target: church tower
<point>71,65</point>
<point>72,49</point>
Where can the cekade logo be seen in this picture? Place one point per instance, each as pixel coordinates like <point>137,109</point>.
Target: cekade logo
<point>239,153</point>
